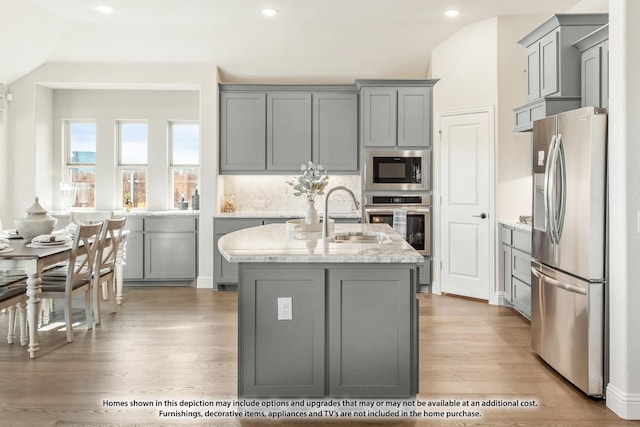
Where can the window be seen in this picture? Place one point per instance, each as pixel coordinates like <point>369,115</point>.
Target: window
<point>185,161</point>
<point>133,152</point>
<point>80,144</point>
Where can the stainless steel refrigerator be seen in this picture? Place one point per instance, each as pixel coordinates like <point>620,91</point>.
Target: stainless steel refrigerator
<point>568,270</point>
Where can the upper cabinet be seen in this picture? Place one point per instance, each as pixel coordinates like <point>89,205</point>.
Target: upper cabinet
<point>276,128</point>
<point>396,113</point>
<point>552,66</point>
<point>243,128</point>
<point>594,78</point>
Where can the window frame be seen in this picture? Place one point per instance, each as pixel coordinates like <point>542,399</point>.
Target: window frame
<point>174,167</point>
<point>68,165</point>
<point>127,166</point>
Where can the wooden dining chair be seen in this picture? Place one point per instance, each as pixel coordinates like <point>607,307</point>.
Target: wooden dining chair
<point>82,218</point>
<point>104,270</point>
<point>13,298</point>
<point>77,276</point>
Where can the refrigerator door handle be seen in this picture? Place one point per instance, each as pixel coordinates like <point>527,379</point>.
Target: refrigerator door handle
<point>548,205</point>
<point>556,283</point>
<point>561,162</point>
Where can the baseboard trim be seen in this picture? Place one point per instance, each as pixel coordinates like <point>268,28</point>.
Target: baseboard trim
<point>205,282</point>
<point>625,405</point>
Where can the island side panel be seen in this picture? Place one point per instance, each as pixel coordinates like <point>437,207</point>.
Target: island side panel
<point>372,346</point>
<point>281,357</point>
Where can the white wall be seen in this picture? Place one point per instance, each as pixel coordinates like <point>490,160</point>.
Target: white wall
<point>466,64</point>
<point>23,148</point>
<point>157,108</point>
<point>482,66</point>
<point>623,390</point>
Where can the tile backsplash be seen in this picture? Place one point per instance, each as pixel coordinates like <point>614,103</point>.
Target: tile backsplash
<point>272,193</point>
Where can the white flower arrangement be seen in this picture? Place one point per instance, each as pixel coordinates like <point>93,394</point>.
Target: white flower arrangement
<point>311,183</point>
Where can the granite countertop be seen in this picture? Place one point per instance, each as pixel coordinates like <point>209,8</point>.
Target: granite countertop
<point>119,213</point>
<point>517,224</point>
<point>272,244</point>
<point>282,214</point>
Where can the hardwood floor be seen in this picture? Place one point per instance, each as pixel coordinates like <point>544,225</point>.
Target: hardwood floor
<point>177,343</point>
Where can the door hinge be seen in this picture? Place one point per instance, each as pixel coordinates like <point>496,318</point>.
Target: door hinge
<point>440,265</point>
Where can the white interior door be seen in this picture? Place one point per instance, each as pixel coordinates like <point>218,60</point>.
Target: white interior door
<point>465,211</point>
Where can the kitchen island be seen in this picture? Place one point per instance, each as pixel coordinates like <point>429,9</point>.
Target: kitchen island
<point>325,318</point>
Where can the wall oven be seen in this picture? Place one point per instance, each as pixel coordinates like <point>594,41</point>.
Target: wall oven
<point>379,209</point>
<point>397,170</point>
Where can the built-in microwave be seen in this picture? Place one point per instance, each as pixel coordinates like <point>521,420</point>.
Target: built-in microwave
<point>397,170</point>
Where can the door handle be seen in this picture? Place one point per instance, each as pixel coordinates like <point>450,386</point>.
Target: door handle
<point>482,215</point>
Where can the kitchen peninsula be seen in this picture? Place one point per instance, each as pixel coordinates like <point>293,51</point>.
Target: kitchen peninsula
<point>325,318</point>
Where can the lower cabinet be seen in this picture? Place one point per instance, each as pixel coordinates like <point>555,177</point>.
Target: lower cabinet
<point>331,330</point>
<point>134,249</point>
<point>160,249</point>
<point>370,332</point>
<point>515,268</point>
<point>225,272</point>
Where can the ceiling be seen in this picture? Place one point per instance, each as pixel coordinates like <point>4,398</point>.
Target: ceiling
<point>328,40</point>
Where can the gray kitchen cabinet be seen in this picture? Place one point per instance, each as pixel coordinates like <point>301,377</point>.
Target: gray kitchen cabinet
<point>225,272</point>
<point>276,128</point>
<point>134,249</point>
<point>288,130</point>
<point>552,66</point>
<point>327,330</point>
<point>282,355</point>
<point>161,249</point>
<point>335,131</point>
<point>242,131</point>
<point>515,268</point>
<point>170,248</point>
<point>505,263</point>
<point>379,115</point>
<point>396,113</point>
<point>594,79</point>
<point>370,332</point>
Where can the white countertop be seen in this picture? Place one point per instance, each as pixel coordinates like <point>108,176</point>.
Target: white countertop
<point>282,214</point>
<point>517,224</point>
<point>270,243</point>
<point>119,213</point>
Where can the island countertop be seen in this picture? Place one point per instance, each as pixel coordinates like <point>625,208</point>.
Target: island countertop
<point>272,243</point>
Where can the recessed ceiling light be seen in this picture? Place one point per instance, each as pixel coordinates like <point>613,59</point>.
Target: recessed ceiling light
<point>452,13</point>
<point>269,12</point>
<point>103,8</point>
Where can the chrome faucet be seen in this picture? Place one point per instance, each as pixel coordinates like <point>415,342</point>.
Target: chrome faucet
<point>325,220</point>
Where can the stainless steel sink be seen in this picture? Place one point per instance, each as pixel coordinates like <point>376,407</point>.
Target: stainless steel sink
<point>361,237</point>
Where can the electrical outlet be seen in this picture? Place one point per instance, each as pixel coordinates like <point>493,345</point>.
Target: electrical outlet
<point>285,308</point>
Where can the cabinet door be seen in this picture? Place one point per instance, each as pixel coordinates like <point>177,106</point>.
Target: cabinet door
<point>505,272</point>
<point>549,65</point>
<point>281,349</point>
<point>521,265</point>
<point>604,74</point>
<point>533,71</point>
<point>288,130</point>
<point>414,117</point>
<point>370,332</point>
<point>226,272</point>
<point>335,131</point>
<point>591,67</point>
<point>242,132</point>
<point>379,117</point>
<point>170,256</point>
<point>134,256</point>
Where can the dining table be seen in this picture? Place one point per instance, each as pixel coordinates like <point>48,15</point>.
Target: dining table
<point>21,256</point>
